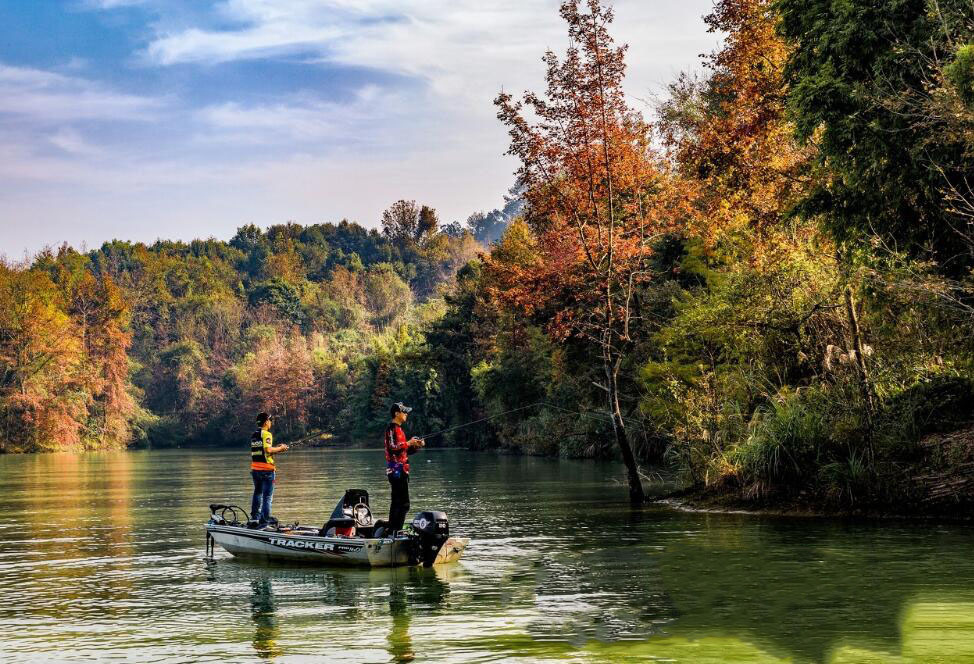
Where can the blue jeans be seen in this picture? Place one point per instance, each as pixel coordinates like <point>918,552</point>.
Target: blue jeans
<point>260,506</point>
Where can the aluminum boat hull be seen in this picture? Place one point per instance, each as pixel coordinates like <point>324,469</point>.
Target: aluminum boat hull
<point>312,549</point>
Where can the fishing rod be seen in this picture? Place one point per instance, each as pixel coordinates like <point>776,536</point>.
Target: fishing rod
<point>307,439</point>
<point>482,419</point>
<point>478,421</point>
<point>578,413</point>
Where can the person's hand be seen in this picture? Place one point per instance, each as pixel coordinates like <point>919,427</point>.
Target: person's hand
<point>419,442</point>
<point>286,447</point>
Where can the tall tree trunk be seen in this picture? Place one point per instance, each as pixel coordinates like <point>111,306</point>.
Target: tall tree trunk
<point>636,494</point>
<point>865,384</point>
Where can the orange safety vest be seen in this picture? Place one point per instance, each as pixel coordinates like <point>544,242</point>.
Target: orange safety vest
<point>261,442</point>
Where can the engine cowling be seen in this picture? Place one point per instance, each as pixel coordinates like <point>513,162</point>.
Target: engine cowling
<point>432,530</point>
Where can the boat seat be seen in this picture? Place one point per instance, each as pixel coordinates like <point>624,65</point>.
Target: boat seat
<point>328,530</point>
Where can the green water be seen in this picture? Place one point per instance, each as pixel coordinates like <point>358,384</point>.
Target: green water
<point>101,558</point>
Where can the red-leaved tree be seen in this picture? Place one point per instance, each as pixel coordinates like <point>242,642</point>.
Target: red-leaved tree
<point>598,197</point>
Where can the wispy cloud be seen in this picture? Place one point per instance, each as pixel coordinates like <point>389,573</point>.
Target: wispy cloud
<point>71,141</point>
<point>45,96</point>
<point>304,118</point>
<point>460,47</point>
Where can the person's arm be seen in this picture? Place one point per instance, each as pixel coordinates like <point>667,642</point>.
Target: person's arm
<point>271,448</point>
<point>396,440</point>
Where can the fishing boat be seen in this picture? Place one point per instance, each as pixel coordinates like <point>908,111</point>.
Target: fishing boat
<point>350,537</point>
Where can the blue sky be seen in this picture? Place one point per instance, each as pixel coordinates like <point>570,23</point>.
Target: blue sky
<point>141,119</point>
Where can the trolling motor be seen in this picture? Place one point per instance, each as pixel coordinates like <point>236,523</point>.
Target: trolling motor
<point>227,515</point>
<point>432,531</point>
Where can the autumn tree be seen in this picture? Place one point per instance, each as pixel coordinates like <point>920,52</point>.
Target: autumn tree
<point>101,316</point>
<point>278,378</point>
<point>730,135</point>
<point>597,198</point>
<point>387,296</point>
<point>42,404</point>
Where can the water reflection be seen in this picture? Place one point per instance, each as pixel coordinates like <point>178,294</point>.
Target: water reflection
<point>412,590</point>
<point>400,642</point>
<point>339,614</point>
<point>262,611</point>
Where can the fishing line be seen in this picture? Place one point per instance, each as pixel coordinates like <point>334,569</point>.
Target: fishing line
<point>602,416</point>
<point>482,419</point>
<point>306,439</point>
<point>514,410</point>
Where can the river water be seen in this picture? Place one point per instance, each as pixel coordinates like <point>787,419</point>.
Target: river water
<point>102,558</point>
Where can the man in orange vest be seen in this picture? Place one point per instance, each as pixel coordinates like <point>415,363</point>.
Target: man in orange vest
<point>262,469</point>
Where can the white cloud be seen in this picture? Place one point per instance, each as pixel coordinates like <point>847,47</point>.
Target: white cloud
<point>303,118</point>
<point>72,141</point>
<point>464,49</point>
<point>44,96</point>
<point>195,45</point>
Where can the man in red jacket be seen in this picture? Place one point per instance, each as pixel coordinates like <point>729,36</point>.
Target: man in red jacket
<point>398,450</point>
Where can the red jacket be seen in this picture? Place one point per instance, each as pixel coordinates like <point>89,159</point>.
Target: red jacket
<point>397,449</point>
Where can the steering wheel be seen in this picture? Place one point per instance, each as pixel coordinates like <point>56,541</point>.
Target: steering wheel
<point>362,515</point>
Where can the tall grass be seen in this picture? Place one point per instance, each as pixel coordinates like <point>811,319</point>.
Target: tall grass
<point>784,443</point>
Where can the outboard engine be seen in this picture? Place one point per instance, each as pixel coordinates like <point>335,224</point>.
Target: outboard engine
<point>432,530</point>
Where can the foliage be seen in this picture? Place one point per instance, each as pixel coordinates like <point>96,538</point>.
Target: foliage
<point>960,73</point>
<point>767,289</point>
<point>865,81</point>
<point>177,343</point>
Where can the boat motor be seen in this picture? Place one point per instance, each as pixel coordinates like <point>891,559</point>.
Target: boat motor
<point>229,515</point>
<point>432,530</point>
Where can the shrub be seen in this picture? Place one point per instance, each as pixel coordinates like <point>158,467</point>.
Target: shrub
<point>787,437</point>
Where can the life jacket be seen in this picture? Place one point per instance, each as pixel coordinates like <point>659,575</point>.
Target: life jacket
<point>259,458</point>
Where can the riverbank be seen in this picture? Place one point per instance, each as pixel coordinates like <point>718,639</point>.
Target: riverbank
<point>707,503</point>
<point>939,485</point>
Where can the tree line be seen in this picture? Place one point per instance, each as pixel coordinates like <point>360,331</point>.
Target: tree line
<point>179,343</point>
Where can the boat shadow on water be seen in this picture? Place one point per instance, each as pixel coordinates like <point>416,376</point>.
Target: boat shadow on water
<point>285,600</point>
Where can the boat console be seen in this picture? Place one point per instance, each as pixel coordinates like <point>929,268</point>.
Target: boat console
<point>352,516</point>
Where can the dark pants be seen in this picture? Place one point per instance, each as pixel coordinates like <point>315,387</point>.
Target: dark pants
<point>260,506</point>
<point>400,500</point>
